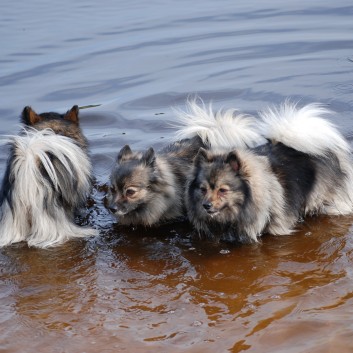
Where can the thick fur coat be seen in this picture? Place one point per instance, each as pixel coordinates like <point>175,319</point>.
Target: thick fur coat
<point>147,188</point>
<point>304,169</point>
<point>48,177</point>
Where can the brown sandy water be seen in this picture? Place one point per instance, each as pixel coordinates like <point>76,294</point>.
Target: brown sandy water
<point>160,290</point>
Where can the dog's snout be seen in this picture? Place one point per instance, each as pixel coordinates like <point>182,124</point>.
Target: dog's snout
<point>207,205</point>
<point>113,208</point>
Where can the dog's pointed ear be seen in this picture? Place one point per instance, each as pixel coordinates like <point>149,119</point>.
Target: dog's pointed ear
<point>149,157</point>
<point>233,161</point>
<point>29,116</point>
<point>72,115</point>
<point>202,156</point>
<point>124,154</point>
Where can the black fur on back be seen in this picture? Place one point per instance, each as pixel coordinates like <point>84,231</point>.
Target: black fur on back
<point>276,186</point>
<point>295,170</point>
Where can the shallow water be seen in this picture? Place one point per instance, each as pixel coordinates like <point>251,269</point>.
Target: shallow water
<point>137,290</point>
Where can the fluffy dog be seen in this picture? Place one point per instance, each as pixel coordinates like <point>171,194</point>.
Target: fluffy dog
<point>305,169</point>
<point>48,176</point>
<point>147,188</point>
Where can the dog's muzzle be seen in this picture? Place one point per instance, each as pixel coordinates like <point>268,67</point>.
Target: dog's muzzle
<point>208,206</point>
<point>115,209</point>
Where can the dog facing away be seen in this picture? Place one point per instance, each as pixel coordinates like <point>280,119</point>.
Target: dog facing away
<point>147,188</point>
<point>47,178</point>
<point>305,169</point>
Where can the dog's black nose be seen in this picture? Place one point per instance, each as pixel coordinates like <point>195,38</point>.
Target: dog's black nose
<point>207,205</point>
<point>113,208</point>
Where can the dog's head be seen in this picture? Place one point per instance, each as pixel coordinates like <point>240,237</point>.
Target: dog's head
<point>62,124</point>
<point>131,180</point>
<point>217,190</point>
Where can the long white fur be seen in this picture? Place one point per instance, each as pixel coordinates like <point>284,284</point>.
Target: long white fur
<point>305,129</point>
<point>29,220</point>
<point>222,130</point>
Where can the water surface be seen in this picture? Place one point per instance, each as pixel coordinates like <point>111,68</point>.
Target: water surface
<point>139,290</point>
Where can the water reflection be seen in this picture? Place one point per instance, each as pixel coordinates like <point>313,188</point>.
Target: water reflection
<point>164,286</point>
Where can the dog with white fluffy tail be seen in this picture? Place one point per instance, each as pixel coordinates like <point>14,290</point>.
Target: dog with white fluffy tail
<point>47,178</point>
<point>304,169</point>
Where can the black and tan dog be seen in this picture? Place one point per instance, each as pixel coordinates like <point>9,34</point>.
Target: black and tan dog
<point>48,176</point>
<point>147,187</point>
<point>305,169</point>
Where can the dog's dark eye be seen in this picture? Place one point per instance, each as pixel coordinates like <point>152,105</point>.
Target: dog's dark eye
<point>112,189</point>
<point>130,192</point>
<point>222,190</point>
<point>203,189</point>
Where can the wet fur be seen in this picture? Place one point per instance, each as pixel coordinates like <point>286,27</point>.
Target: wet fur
<point>48,176</point>
<point>305,169</point>
<point>157,180</point>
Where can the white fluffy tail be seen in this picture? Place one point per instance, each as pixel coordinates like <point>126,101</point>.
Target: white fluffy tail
<point>303,129</point>
<point>39,209</point>
<point>221,130</point>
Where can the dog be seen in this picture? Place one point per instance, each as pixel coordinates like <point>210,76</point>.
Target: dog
<point>147,188</point>
<point>47,178</point>
<point>304,169</point>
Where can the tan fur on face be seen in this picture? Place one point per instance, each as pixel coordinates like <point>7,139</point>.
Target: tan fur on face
<point>219,199</point>
<point>137,182</point>
<point>262,210</point>
<point>140,194</point>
